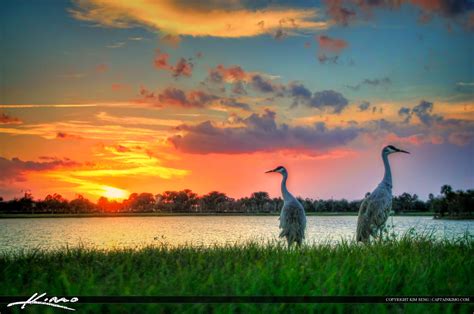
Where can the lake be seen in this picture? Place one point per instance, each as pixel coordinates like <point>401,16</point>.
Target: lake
<point>132,232</point>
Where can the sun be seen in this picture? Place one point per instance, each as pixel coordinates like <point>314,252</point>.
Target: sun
<point>111,192</point>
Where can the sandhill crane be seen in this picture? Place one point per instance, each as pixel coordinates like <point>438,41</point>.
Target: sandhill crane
<point>375,208</point>
<point>292,216</point>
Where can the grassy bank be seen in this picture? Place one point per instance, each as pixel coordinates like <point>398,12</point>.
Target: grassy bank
<point>187,214</point>
<point>410,266</point>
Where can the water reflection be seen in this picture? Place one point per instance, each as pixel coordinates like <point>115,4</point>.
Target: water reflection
<point>133,232</point>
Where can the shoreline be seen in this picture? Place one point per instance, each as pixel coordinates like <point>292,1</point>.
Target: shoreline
<point>107,215</point>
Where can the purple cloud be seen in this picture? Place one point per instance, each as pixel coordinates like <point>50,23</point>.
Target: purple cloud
<point>260,132</point>
<point>14,169</point>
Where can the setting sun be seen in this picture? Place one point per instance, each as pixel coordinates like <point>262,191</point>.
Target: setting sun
<point>115,193</point>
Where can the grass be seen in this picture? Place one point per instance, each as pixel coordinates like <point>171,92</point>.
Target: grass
<point>411,265</point>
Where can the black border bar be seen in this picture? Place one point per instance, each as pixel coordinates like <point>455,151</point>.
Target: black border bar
<point>252,299</point>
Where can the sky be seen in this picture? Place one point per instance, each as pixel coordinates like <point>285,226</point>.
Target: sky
<point>107,98</point>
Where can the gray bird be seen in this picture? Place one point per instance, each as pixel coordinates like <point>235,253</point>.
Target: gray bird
<point>375,208</point>
<point>292,216</point>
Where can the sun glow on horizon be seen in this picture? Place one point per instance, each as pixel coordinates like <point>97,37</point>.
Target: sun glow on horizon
<point>114,193</point>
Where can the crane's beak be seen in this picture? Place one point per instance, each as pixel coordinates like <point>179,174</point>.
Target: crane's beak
<point>269,171</point>
<point>403,151</point>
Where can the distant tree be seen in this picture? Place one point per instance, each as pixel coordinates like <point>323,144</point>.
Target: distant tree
<point>214,201</point>
<point>434,204</point>
<point>468,202</point>
<point>259,200</point>
<point>453,202</point>
<point>321,206</point>
<point>446,190</point>
<point>81,205</point>
<point>180,201</point>
<point>308,204</point>
<point>278,204</point>
<point>54,203</point>
<point>342,206</point>
<point>407,202</point>
<point>355,205</point>
<point>107,206</point>
<point>244,205</point>
<point>461,202</point>
<point>25,204</point>
<point>448,195</point>
<point>144,202</point>
<point>103,204</point>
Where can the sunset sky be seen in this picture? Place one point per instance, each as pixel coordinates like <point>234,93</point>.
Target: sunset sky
<point>106,97</point>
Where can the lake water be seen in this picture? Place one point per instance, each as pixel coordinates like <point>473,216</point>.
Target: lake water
<point>132,232</point>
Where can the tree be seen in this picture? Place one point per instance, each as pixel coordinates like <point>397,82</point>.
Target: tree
<point>107,206</point>
<point>447,192</point>
<point>26,203</point>
<point>54,203</point>
<point>144,202</point>
<point>214,201</point>
<point>182,201</point>
<point>457,203</point>
<point>81,205</point>
<point>103,204</point>
<point>407,202</point>
<point>277,204</point>
<point>259,199</point>
<point>308,204</point>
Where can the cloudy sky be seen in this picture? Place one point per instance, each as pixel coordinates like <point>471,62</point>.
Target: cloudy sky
<point>103,97</point>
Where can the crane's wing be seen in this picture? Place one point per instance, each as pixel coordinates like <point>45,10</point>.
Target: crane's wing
<point>293,222</point>
<point>373,213</point>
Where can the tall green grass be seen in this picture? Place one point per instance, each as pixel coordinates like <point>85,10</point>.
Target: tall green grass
<point>411,265</point>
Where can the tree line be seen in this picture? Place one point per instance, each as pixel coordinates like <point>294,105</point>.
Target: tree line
<point>448,203</point>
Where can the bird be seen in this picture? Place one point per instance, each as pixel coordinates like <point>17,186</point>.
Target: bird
<point>292,216</point>
<point>375,208</point>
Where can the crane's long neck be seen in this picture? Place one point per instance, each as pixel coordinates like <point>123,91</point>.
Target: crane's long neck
<point>284,191</point>
<point>387,178</point>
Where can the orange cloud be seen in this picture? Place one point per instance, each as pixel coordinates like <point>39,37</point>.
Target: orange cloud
<point>14,169</point>
<point>103,116</point>
<point>182,68</point>
<point>192,19</point>
<point>48,106</point>
<point>176,97</point>
<point>85,130</point>
<point>6,119</point>
<point>117,169</point>
<point>62,135</point>
<point>329,44</point>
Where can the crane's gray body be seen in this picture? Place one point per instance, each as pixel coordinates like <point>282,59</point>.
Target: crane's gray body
<point>375,208</point>
<point>292,216</point>
<point>374,212</point>
<point>292,221</point>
